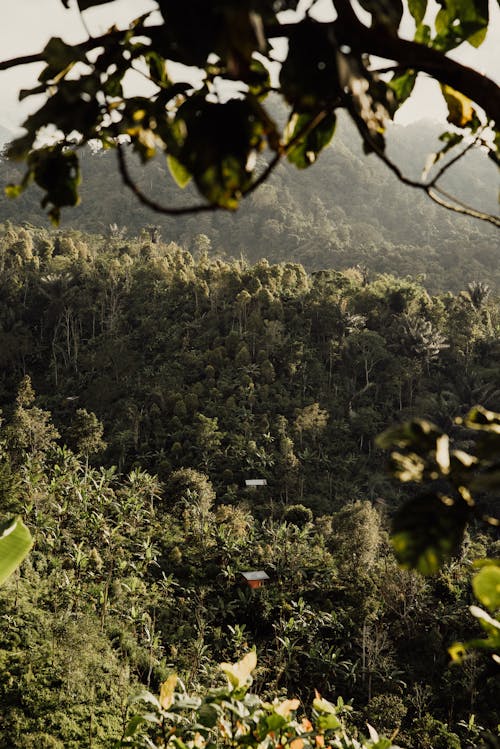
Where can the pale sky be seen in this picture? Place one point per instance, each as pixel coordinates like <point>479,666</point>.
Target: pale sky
<point>26,26</point>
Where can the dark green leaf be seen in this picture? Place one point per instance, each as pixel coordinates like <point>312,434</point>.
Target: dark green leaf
<point>417,433</point>
<point>428,530</point>
<point>308,76</point>
<point>313,140</point>
<point>57,172</point>
<point>460,21</point>
<point>417,8</point>
<point>133,725</point>
<point>207,715</point>
<point>386,13</point>
<point>59,57</point>
<point>403,85</point>
<point>216,142</point>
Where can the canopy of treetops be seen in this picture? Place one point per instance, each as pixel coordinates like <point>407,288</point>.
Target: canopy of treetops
<point>212,131</point>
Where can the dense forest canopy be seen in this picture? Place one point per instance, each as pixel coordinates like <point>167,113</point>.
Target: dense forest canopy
<point>345,211</point>
<point>212,132</point>
<point>158,383</point>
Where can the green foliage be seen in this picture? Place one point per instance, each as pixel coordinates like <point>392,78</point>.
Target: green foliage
<point>136,569</point>
<point>15,543</point>
<point>486,587</point>
<point>233,716</point>
<point>212,136</point>
<point>428,530</point>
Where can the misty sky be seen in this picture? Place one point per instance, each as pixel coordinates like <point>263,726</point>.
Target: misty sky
<point>26,25</point>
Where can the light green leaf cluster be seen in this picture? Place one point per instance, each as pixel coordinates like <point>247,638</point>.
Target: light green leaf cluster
<point>15,542</point>
<point>233,717</point>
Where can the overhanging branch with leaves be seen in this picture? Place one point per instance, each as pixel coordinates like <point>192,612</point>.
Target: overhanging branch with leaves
<point>211,136</point>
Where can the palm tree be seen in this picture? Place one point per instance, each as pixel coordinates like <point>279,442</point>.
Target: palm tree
<point>478,293</point>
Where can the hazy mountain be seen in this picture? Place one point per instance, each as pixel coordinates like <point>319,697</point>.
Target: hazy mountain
<point>347,209</point>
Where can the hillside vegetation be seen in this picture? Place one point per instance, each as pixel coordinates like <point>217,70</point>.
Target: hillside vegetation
<point>141,387</point>
<point>347,209</point>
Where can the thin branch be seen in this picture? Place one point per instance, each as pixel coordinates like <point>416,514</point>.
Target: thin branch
<point>451,162</point>
<point>24,60</point>
<point>458,206</point>
<point>153,204</point>
<point>431,189</point>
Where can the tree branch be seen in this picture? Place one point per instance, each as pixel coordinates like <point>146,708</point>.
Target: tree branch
<point>350,31</point>
<point>377,41</point>
<point>153,204</point>
<point>430,188</point>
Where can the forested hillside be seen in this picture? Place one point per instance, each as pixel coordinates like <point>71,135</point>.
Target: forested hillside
<point>345,210</point>
<point>236,368</point>
<point>141,386</point>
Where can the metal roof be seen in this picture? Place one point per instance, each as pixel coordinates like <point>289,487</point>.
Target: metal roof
<point>255,575</point>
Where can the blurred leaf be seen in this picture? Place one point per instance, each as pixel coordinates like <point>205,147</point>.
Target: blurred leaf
<point>217,144</point>
<point>443,453</point>
<point>403,85</point>
<point>322,705</point>
<point>15,542</point>
<point>13,191</point>
<point>460,110</point>
<point>423,34</point>
<point>133,725</point>
<point>328,722</point>
<point>306,151</point>
<point>480,418</point>
<point>239,673</point>
<point>417,8</point>
<point>178,171</point>
<point>286,707</point>
<point>386,13</point>
<point>207,715</point>
<point>486,586</point>
<point>258,79</point>
<point>274,722</point>
<point>57,172</point>
<point>308,76</point>
<point>167,690</point>
<point>409,467</point>
<point>459,21</point>
<point>488,623</point>
<point>417,433</point>
<point>60,57</point>
<point>428,530</point>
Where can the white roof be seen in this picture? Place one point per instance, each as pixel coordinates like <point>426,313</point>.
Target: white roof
<point>255,575</point>
<point>256,482</point>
